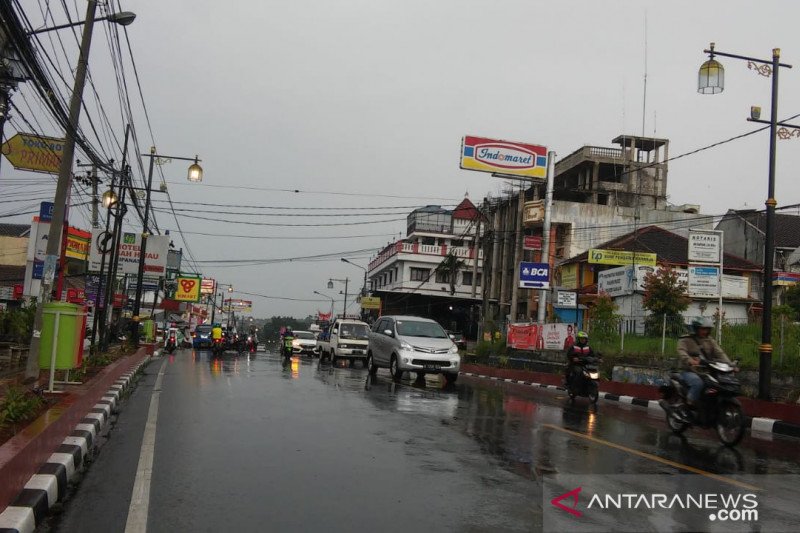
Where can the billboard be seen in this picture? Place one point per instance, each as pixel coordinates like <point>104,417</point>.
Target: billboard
<point>370,302</point>
<point>238,306</point>
<point>532,242</point>
<point>77,243</point>
<point>621,257</point>
<point>208,286</point>
<point>524,337</point>
<point>504,157</point>
<point>558,336</point>
<point>34,152</point>
<point>155,263</point>
<point>187,289</point>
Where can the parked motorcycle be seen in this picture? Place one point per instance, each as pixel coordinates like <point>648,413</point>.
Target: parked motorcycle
<point>584,378</point>
<point>717,406</point>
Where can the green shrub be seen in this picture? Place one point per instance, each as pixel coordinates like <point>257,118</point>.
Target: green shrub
<point>19,405</point>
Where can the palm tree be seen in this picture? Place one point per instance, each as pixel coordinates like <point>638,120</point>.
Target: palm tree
<point>449,267</point>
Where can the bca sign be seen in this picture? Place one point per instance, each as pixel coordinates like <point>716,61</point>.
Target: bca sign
<point>534,275</point>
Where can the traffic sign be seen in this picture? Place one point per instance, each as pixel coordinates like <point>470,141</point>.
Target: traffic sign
<point>534,275</point>
<point>34,152</point>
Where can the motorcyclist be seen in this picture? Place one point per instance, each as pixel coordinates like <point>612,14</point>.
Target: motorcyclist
<point>286,341</point>
<point>576,352</point>
<point>690,347</point>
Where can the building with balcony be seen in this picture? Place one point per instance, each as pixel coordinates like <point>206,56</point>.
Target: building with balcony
<point>599,194</point>
<point>409,275</point>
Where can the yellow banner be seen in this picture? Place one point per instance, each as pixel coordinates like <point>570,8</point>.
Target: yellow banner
<point>569,276</point>
<point>187,290</point>
<point>620,257</point>
<point>78,244</point>
<point>370,302</point>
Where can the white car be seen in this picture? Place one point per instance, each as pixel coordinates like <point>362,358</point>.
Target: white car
<point>305,342</point>
<point>412,344</point>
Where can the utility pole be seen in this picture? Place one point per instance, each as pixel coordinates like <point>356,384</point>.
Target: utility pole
<point>548,207</point>
<point>518,239</point>
<point>62,191</point>
<point>95,199</point>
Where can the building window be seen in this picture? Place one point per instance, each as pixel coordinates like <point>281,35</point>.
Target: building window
<point>391,272</point>
<point>466,278</point>
<point>443,277</point>
<point>420,274</point>
<point>457,243</point>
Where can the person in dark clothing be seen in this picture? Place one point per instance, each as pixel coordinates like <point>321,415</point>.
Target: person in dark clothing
<point>575,353</point>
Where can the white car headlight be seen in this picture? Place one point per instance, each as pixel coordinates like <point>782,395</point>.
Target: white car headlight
<point>454,349</point>
<point>405,346</point>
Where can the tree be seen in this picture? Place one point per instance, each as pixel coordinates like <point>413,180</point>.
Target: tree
<point>449,268</point>
<point>605,319</point>
<point>793,299</point>
<point>664,296</point>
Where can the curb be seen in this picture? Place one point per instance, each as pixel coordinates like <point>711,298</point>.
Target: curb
<point>758,426</point>
<point>49,484</point>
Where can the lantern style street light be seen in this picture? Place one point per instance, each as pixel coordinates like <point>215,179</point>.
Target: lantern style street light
<point>711,80</point>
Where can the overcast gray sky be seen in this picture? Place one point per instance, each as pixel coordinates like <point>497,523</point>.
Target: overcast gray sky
<point>372,97</point>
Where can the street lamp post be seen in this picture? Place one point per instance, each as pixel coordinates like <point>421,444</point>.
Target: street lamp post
<point>326,296</point>
<point>63,186</point>
<point>345,281</point>
<point>711,80</point>
<point>364,288</point>
<point>195,174</point>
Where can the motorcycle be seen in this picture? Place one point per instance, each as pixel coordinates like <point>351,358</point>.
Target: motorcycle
<point>717,406</point>
<point>584,378</point>
<point>250,344</point>
<point>172,343</point>
<point>218,346</point>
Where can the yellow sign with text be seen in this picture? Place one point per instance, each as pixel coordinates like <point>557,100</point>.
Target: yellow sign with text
<point>370,302</point>
<point>620,257</point>
<point>187,289</point>
<point>34,152</point>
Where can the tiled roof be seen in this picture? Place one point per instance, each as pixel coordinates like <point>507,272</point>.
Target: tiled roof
<point>466,210</point>
<point>669,247</point>
<point>787,227</point>
<point>15,230</point>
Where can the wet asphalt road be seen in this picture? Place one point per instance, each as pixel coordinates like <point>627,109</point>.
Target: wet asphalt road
<point>246,443</point>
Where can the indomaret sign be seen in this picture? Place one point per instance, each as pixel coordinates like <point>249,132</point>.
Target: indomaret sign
<point>504,157</point>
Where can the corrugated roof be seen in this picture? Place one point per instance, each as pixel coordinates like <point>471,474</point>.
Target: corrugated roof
<point>669,247</point>
<point>15,230</point>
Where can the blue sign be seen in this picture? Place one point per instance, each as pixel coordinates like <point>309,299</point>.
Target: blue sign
<point>46,211</point>
<point>534,275</point>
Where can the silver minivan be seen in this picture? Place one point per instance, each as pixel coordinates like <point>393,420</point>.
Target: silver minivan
<point>412,344</point>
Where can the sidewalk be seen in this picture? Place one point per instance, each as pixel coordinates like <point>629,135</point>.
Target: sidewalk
<point>762,416</point>
<point>37,463</point>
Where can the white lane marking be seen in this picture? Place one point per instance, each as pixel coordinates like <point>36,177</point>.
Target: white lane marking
<point>140,499</point>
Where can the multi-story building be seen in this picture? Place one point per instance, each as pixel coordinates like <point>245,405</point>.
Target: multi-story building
<point>436,270</point>
<point>599,193</point>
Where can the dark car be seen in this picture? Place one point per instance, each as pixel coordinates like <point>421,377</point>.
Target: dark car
<point>458,339</point>
<point>201,337</point>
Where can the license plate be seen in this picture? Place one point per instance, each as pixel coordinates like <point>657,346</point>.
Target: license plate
<point>358,352</point>
<point>433,367</point>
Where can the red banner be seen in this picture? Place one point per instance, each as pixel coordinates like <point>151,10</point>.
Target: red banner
<point>323,316</point>
<point>525,337</point>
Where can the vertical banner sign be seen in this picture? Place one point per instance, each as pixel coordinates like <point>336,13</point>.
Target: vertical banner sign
<point>188,289</point>
<point>504,157</point>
